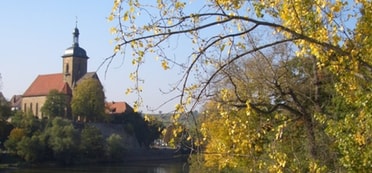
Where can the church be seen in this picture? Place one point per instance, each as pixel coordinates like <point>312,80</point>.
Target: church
<point>74,70</point>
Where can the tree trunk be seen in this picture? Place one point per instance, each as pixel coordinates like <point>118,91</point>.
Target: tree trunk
<point>309,127</point>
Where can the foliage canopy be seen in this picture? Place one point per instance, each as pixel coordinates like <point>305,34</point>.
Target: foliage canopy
<point>56,104</point>
<point>88,100</point>
<point>284,64</point>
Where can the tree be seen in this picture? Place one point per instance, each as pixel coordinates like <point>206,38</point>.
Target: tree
<point>354,103</point>
<point>56,104</point>
<point>31,149</point>
<point>234,140</point>
<point>28,122</point>
<point>5,111</point>
<point>5,129</point>
<point>62,138</point>
<point>1,83</point>
<point>91,142</point>
<point>88,100</point>
<point>24,139</point>
<point>222,33</point>
<point>15,136</point>
<point>223,29</point>
<point>154,127</point>
<point>267,101</point>
<point>115,146</point>
<point>146,131</point>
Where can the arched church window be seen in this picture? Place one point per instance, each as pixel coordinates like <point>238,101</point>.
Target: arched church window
<point>37,109</point>
<point>67,68</point>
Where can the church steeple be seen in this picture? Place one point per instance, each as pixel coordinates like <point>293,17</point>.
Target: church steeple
<point>75,50</point>
<point>75,34</point>
<point>75,37</point>
<point>74,60</point>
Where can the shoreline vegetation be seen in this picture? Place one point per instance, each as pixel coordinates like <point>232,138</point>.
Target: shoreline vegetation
<point>134,157</point>
<point>54,142</point>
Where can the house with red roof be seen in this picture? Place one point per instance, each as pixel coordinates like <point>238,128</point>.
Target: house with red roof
<point>74,70</point>
<point>116,108</point>
<point>15,102</point>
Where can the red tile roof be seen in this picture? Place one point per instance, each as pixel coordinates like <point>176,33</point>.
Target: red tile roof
<point>118,107</point>
<point>43,84</point>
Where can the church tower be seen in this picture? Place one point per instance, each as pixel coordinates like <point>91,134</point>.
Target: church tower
<point>74,61</point>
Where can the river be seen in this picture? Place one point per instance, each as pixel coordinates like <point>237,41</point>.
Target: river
<point>161,167</point>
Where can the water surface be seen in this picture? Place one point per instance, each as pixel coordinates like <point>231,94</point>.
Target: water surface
<point>180,167</point>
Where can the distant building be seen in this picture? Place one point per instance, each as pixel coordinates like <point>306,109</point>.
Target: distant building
<point>74,70</point>
<point>15,102</point>
<point>118,111</point>
<point>115,108</point>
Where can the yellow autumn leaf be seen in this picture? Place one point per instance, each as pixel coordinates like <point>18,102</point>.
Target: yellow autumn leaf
<point>147,118</point>
<point>113,30</point>
<point>131,9</point>
<point>360,139</point>
<point>126,16</point>
<point>128,91</point>
<point>141,53</point>
<point>140,44</point>
<point>117,48</point>
<point>164,64</point>
<point>170,22</point>
<point>179,5</point>
<point>136,106</point>
<point>111,17</point>
<point>133,76</point>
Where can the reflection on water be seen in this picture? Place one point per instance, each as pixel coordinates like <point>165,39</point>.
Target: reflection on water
<point>114,168</point>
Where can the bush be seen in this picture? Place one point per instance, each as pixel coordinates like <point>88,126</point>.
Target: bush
<point>31,149</point>
<point>62,138</point>
<point>15,136</point>
<point>91,142</point>
<point>115,147</point>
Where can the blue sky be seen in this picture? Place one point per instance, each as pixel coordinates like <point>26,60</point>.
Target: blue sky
<point>34,35</point>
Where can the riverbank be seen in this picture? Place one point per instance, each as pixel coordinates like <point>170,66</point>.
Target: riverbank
<point>132,167</point>
<point>7,168</point>
<point>155,155</point>
<point>133,158</point>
